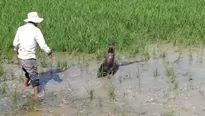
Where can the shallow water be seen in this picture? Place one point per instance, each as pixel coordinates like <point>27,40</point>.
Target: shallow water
<point>137,90</point>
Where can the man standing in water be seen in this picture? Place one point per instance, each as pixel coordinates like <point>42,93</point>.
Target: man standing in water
<point>24,44</point>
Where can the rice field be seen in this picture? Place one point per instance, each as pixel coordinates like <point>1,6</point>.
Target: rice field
<point>88,26</point>
<point>168,82</point>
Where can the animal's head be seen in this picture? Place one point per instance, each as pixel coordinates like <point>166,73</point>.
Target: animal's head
<point>111,48</point>
<point>110,54</point>
<point>110,58</point>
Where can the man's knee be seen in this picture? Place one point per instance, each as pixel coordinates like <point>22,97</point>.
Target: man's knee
<point>31,71</point>
<point>33,74</point>
<point>35,82</point>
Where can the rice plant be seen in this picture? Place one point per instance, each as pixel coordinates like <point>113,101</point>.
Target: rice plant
<point>169,113</point>
<point>100,102</point>
<point>138,74</point>
<point>155,51</point>
<point>99,55</point>
<point>177,60</point>
<point>201,57</point>
<point>120,21</point>
<point>111,92</point>
<point>156,72</point>
<point>163,54</point>
<point>1,70</point>
<point>20,79</point>
<point>170,71</point>
<point>90,93</point>
<point>43,59</point>
<point>3,88</point>
<point>44,62</point>
<point>145,56</point>
<point>62,65</point>
<point>138,78</point>
<point>14,98</point>
<point>3,78</point>
<point>190,55</point>
<point>190,78</point>
<point>174,83</point>
<point>201,91</point>
<point>12,74</point>
<point>32,103</point>
<point>135,50</point>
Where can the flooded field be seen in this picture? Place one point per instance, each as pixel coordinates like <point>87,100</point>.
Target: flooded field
<point>170,82</point>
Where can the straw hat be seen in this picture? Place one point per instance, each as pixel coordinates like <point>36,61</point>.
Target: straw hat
<point>33,17</point>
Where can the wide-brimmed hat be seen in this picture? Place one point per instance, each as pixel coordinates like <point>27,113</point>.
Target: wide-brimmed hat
<point>33,17</point>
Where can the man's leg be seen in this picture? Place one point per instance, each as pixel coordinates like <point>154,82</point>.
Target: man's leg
<point>26,79</point>
<point>30,66</point>
<point>33,74</point>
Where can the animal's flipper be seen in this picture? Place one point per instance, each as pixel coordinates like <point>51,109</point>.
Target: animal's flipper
<point>101,71</point>
<point>114,69</point>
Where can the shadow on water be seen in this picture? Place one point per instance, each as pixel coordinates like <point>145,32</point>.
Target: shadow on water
<point>127,63</point>
<point>123,63</point>
<point>45,77</point>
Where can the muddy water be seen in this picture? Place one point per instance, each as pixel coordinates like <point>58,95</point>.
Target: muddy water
<point>139,89</point>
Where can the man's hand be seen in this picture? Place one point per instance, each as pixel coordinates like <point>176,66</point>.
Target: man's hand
<point>15,49</point>
<point>50,55</point>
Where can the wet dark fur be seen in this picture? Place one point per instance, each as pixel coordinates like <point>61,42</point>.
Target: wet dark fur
<point>108,66</point>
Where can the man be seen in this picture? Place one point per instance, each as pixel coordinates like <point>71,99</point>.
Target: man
<point>24,44</point>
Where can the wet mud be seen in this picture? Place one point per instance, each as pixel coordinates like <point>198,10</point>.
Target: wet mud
<point>168,85</point>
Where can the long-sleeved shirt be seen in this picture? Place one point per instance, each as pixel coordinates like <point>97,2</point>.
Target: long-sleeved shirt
<point>26,38</point>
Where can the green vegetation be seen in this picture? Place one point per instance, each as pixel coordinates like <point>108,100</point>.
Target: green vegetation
<point>156,72</point>
<point>145,56</point>
<point>1,70</point>
<point>14,98</point>
<point>3,88</point>
<point>170,71</point>
<point>90,93</point>
<point>190,55</point>
<point>88,26</point>
<point>170,113</point>
<point>111,92</point>
<point>163,54</point>
<point>62,65</point>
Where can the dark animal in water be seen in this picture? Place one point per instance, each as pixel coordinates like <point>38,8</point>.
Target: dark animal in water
<point>108,66</point>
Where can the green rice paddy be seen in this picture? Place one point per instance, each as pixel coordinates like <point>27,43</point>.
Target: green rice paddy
<point>89,25</point>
